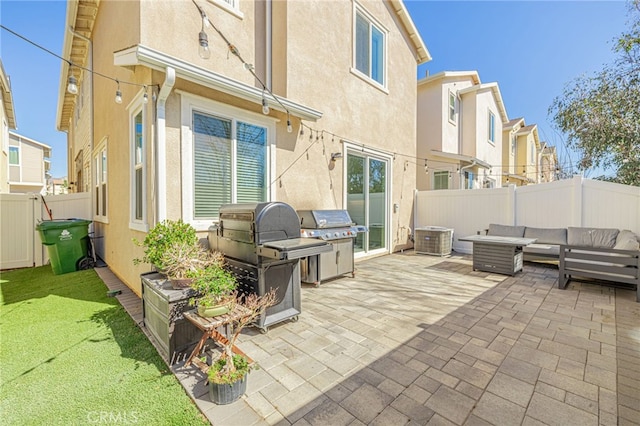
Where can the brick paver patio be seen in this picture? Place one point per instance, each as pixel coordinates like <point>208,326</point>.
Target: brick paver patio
<point>425,340</point>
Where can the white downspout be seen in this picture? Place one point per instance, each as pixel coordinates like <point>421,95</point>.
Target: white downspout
<point>268,42</point>
<point>161,147</point>
<point>473,163</point>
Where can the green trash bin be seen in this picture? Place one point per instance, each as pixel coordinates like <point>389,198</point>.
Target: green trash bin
<point>66,241</point>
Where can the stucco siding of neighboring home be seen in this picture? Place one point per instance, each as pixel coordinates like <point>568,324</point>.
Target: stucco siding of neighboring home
<point>491,152</point>
<point>28,175</point>
<point>429,129</point>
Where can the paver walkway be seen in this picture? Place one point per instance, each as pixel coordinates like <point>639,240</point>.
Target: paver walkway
<point>425,340</point>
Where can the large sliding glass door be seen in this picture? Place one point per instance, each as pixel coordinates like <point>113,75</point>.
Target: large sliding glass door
<point>367,188</point>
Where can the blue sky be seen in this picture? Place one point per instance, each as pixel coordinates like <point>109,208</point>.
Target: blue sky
<point>532,49</point>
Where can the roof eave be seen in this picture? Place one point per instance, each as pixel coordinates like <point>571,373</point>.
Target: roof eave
<point>145,56</point>
<point>422,53</point>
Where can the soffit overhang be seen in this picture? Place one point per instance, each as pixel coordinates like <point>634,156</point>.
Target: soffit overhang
<point>144,56</point>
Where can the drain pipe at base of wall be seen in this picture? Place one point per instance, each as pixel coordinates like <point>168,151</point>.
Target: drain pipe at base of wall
<point>161,146</point>
<point>473,163</point>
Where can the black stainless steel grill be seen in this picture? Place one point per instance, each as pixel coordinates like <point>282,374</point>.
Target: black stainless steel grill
<point>335,227</point>
<point>261,244</point>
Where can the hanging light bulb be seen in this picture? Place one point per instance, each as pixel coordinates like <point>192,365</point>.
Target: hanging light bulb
<point>145,98</point>
<point>72,86</point>
<point>426,167</point>
<point>265,106</point>
<point>118,94</point>
<point>205,21</point>
<point>203,50</point>
<point>289,127</point>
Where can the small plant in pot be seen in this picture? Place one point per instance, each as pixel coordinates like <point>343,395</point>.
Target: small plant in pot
<point>216,288</point>
<point>228,373</point>
<point>183,262</point>
<point>162,236</point>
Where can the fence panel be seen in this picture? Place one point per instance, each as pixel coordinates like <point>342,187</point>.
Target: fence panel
<point>20,244</point>
<point>17,227</point>
<point>560,204</point>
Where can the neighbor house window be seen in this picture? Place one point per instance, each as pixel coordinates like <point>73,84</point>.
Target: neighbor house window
<point>14,155</point>
<point>492,128</point>
<point>441,180</point>
<point>514,140</point>
<point>452,107</point>
<point>232,6</point>
<point>370,49</point>
<point>228,159</point>
<point>100,182</point>
<point>137,168</point>
<point>533,152</point>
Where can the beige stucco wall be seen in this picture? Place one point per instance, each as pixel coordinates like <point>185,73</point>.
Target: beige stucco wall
<point>316,73</point>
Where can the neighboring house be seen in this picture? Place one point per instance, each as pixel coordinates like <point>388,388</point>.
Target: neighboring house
<point>192,134</point>
<point>29,165</point>
<point>57,186</point>
<point>459,132</point>
<point>548,165</point>
<point>8,123</point>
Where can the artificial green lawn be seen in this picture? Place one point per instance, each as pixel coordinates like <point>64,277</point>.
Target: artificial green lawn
<point>71,355</point>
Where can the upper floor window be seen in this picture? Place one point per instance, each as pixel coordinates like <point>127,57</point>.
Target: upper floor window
<point>452,107</point>
<point>370,49</point>
<point>533,152</point>
<point>231,6</point>
<point>492,128</point>
<point>14,155</point>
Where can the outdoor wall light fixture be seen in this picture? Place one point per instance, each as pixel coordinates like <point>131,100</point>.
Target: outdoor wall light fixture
<point>335,156</point>
<point>72,85</point>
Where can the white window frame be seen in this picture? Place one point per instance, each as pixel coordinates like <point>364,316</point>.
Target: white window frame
<point>231,6</point>
<point>17,147</point>
<point>491,127</point>
<point>137,107</point>
<point>514,141</point>
<point>100,182</point>
<point>452,109</point>
<point>357,9</point>
<point>191,103</point>
<point>447,173</point>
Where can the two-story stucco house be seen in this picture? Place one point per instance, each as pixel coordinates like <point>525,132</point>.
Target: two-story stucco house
<point>8,116</point>
<point>459,132</point>
<point>522,154</point>
<point>29,165</point>
<point>203,103</point>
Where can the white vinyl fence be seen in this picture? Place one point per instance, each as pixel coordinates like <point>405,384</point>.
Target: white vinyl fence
<point>560,204</point>
<point>20,244</point>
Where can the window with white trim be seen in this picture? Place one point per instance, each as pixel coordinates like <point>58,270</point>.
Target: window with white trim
<point>370,47</point>
<point>452,107</point>
<point>491,126</point>
<point>100,182</point>
<point>227,158</point>
<point>441,180</point>
<point>137,167</point>
<point>514,140</point>
<point>14,155</point>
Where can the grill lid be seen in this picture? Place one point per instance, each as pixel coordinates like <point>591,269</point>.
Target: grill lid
<point>318,219</point>
<point>259,222</point>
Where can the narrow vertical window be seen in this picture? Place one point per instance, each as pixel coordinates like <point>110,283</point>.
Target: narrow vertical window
<point>452,107</point>
<point>492,127</point>
<point>100,182</point>
<point>138,187</point>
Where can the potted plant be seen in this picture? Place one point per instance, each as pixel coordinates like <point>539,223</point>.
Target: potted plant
<point>182,262</point>
<point>215,286</point>
<point>162,236</point>
<point>227,374</point>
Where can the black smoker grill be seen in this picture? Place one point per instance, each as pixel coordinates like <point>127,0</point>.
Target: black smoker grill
<point>335,227</point>
<point>261,244</point>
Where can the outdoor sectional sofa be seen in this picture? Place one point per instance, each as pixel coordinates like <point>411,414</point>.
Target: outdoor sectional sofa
<point>602,254</point>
